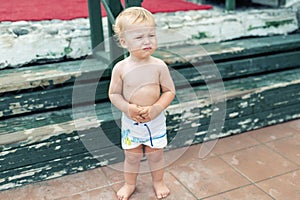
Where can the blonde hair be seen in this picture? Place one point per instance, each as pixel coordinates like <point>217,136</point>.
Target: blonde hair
<point>132,15</point>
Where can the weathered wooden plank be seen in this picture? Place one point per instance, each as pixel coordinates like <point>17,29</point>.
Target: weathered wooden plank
<point>51,98</point>
<point>199,73</point>
<point>82,160</point>
<point>46,170</point>
<point>246,103</point>
<point>59,147</point>
<point>40,146</point>
<point>48,75</point>
<point>47,144</point>
<point>62,96</point>
<point>274,3</point>
<point>234,88</point>
<point>231,49</point>
<point>255,103</point>
<point>56,168</point>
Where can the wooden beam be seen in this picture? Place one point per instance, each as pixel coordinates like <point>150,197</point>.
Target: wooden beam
<point>230,5</point>
<point>96,26</point>
<point>116,52</point>
<point>132,3</point>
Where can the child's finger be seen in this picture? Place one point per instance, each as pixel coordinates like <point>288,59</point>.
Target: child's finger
<point>143,112</point>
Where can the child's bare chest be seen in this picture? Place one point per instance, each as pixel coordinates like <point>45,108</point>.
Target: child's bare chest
<point>140,77</point>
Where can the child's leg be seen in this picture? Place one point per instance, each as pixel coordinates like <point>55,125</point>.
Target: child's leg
<point>156,161</point>
<point>131,169</point>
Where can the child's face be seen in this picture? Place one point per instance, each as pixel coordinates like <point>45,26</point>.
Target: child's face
<point>139,39</point>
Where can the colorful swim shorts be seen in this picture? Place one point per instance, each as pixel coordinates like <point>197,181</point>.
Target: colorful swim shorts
<point>152,134</point>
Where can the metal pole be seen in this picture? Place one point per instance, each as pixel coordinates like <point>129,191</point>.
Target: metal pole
<point>230,5</point>
<point>116,52</point>
<point>96,27</point>
<point>132,3</point>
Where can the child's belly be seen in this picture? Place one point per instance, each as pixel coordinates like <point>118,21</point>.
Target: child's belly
<point>144,96</point>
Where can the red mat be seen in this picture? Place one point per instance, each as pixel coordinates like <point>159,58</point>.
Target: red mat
<point>33,10</point>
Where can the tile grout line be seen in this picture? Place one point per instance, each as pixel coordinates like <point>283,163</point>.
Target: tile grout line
<point>248,178</point>
<point>214,195</point>
<point>278,152</point>
<point>171,174</point>
<point>273,150</point>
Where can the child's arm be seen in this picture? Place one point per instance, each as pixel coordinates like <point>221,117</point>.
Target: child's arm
<point>116,95</point>
<point>167,96</point>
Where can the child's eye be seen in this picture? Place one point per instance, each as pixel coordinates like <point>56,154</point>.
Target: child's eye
<point>152,35</point>
<point>139,37</point>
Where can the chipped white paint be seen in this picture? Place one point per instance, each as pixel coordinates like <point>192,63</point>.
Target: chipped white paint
<point>206,111</point>
<point>9,185</point>
<point>233,131</point>
<point>57,160</point>
<point>36,106</point>
<point>13,82</point>
<point>42,133</point>
<point>39,145</point>
<point>243,104</point>
<point>57,174</point>
<point>190,27</point>
<point>232,115</point>
<point>57,147</point>
<point>22,175</point>
<point>247,121</point>
<point>227,50</point>
<point>195,124</point>
<point>200,133</point>
<point>295,116</point>
<point>247,96</point>
<point>4,153</point>
<point>281,103</point>
<point>188,142</point>
<point>271,122</point>
<point>39,118</point>
<point>277,85</point>
<point>213,136</point>
<point>216,109</point>
<point>57,128</point>
<point>104,163</point>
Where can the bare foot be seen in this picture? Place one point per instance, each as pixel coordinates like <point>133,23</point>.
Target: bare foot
<point>125,192</point>
<point>161,189</point>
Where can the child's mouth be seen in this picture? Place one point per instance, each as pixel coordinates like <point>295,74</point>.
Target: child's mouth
<point>147,48</point>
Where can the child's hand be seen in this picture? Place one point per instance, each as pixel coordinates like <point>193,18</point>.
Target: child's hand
<point>133,112</point>
<point>149,113</point>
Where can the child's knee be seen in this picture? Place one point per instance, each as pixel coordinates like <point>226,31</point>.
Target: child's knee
<point>155,156</point>
<point>133,157</point>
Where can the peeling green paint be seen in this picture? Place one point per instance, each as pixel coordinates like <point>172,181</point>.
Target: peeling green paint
<point>200,35</point>
<point>270,24</point>
<point>68,50</point>
<point>278,23</point>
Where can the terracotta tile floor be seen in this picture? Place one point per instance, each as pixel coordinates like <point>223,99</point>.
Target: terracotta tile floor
<point>262,164</point>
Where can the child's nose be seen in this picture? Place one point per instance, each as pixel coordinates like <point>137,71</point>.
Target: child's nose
<point>146,40</point>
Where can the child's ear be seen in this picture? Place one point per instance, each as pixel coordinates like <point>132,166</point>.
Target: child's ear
<point>123,43</point>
